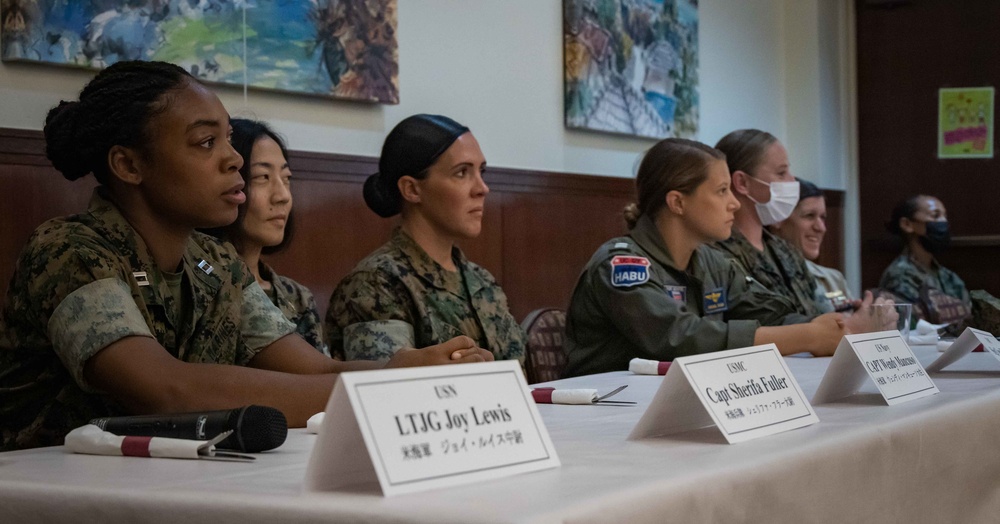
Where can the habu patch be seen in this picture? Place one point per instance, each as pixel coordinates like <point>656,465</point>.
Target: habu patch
<point>678,293</point>
<point>715,301</point>
<point>628,271</point>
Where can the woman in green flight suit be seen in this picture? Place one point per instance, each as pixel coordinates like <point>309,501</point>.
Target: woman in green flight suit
<point>659,293</point>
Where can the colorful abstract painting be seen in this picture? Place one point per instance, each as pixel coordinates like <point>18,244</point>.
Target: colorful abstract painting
<point>338,48</point>
<point>631,66</point>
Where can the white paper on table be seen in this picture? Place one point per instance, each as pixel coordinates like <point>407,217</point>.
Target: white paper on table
<point>965,344</point>
<point>867,356</point>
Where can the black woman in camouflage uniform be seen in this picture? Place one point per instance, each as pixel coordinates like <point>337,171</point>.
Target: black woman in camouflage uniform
<point>938,294</point>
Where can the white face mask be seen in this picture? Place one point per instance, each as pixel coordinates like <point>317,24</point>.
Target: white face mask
<point>784,197</point>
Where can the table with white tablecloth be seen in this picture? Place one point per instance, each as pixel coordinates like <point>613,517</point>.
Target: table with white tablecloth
<point>928,460</point>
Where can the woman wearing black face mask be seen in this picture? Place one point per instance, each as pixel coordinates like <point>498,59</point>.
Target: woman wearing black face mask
<point>938,295</point>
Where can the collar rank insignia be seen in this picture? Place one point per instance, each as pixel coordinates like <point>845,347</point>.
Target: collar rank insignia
<point>140,278</point>
<point>715,301</point>
<point>628,271</point>
<point>206,267</point>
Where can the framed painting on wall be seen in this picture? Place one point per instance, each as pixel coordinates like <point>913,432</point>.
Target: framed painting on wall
<point>336,48</point>
<point>631,66</point>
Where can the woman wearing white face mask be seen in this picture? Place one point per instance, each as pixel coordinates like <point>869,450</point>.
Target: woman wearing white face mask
<point>767,193</point>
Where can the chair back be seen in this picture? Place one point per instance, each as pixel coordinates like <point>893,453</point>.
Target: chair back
<point>545,358</point>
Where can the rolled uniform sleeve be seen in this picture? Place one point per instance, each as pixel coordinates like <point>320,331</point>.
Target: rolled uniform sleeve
<point>76,297</point>
<point>658,326</point>
<point>261,322</point>
<point>368,318</point>
<point>91,318</point>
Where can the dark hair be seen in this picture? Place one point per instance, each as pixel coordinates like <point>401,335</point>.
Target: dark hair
<point>246,133</point>
<point>673,164</point>
<point>409,150</point>
<point>744,149</point>
<point>808,190</point>
<point>904,209</point>
<point>114,109</point>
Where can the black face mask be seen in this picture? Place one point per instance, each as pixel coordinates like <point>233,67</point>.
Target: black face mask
<point>937,237</point>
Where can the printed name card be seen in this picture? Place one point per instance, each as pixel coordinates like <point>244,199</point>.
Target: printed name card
<point>885,358</point>
<point>416,429</point>
<point>747,393</point>
<point>969,340</point>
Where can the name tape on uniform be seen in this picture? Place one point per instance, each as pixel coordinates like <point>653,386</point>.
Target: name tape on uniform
<point>969,340</point>
<point>885,358</point>
<point>747,393</point>
<point>415,429</point>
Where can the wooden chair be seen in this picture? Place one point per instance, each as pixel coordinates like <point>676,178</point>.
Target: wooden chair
<point>545,358</point>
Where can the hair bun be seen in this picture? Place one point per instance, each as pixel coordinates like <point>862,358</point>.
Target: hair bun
<point>62,147</point>
<point>384,203</point>
<point>631,213</point>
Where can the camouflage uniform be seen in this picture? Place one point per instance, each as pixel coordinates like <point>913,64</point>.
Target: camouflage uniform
<point>909,281</point>
<point>399,297</point>
<point>832,292</point>
<point>86,281</point>
<point>296,302</point>
<point>632,301</point>
<point>790,280</point>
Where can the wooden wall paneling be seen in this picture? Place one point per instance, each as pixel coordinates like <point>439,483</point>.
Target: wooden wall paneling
<point>831,253</point>
<point>548,238</point>
<point>906,52</point>
<point>334,230</point>
<point>31,192</point>
<point>539,228</point>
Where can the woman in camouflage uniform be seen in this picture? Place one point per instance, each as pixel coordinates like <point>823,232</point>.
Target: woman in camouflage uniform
<point>265,224</point>
<point>419,289</point>
<point>804,230</point>
<point>125,309</point>
<point>661,293</point>
<point>767,191</point>
<point>938,294</point>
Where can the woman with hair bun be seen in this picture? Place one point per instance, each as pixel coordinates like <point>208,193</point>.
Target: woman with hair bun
<point>419,289</point>
<point>265,224</point>
<point>125,309</point>
<point>661,293</point>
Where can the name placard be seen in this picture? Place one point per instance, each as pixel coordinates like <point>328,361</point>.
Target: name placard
<point>885,358</point>
<point>969,340</point>
<point>747,393</point>
<point>416,429</point>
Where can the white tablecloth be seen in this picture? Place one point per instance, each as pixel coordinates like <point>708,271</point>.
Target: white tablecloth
<point>929,460</point>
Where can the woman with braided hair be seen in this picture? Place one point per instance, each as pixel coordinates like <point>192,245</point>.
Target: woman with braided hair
<point>125,309</point>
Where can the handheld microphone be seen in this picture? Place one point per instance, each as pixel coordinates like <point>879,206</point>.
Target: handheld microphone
<point>255,428</point>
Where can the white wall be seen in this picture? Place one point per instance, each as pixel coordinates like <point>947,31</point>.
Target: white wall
<point>496,65</point>
<point>785,66</point>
